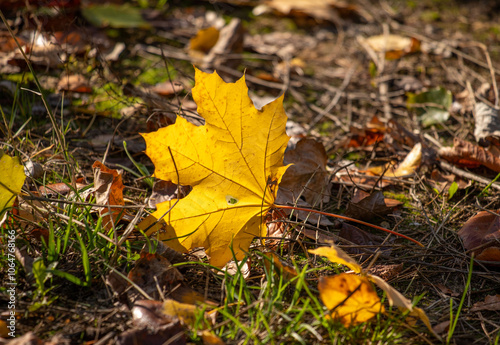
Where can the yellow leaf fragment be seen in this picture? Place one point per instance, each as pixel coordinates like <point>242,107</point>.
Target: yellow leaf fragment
<point>11,180</point>
<point>335,254</point>
<point>204,40</point>
<point>407,167</point>
<point>209,338</point>
<point>351,298</point>
<point>185,312</point>
<point>233,162</point>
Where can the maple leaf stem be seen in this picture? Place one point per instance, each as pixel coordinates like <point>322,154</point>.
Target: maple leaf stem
<point>350,219</point>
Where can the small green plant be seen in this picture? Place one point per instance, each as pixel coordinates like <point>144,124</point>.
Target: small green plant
<point>454,318</point>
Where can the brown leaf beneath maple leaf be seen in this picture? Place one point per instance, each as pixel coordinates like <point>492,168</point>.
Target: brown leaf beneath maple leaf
<point>366,206</point>
<point>469,154</point>
<point>482,229</point>
<point>307,178</point>
<point>108,187</point>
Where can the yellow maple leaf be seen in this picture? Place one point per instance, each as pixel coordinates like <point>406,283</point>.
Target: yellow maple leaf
<point>233,162</point>
<point>351,298</point>
<point>11,180</point>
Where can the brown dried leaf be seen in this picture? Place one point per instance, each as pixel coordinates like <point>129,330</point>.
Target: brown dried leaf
<point>165,191</point>
<point>479,230</point>
<point>362,238</point>
<point>172,333</point>
<point>469,154</point>
<point>154,265</point>
<point>490,303</point>
<point>386,272</point>
<point>108,191</point>
<point>443,182</point>
<point>74,83</point>
<point>366,206</point>
<point>394,46</point>
<point>307,177</point>
<point>55,189</point>
<point>328,10</point>
<point>167,88</point>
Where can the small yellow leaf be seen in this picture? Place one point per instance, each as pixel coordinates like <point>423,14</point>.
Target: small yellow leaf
<point>11,180</point>
<point>335,254</point>
<point>233,162</point>
<point>185,312</point>
<point>210,338</point>
<point>351,298</point>
<point>204,40</point>
<point>407,167</point>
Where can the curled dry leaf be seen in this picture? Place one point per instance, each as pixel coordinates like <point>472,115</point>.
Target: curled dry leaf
<point>394,46</point>
<point>407,167</point>
<point>487,122</point>
<point>469,154</point>
<point>108,187</point>
<point>482,230</point>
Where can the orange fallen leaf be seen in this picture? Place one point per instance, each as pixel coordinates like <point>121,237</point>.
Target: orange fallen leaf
<point>234,163</point>
<point>351,298</point>
<point>108,187</point>
<point>395,298</point>
<point>204,40</point>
